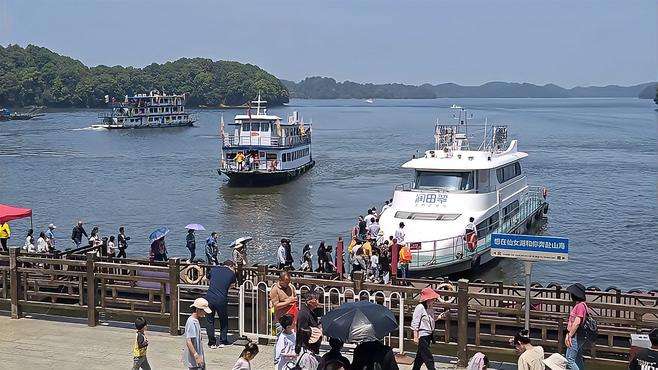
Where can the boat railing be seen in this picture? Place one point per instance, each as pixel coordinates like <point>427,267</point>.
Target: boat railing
<point>273,141</point>
<point>451,249</point>
<point>259,166</point>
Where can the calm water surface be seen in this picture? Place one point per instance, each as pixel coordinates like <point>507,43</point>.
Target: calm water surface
<point>597,157</point>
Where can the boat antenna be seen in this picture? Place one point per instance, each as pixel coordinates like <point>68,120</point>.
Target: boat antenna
<point>258,103</point>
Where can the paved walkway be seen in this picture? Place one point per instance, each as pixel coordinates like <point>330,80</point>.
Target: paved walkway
<point>42,344</point>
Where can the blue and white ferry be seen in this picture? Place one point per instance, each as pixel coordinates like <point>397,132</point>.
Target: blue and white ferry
<point>260,149</point>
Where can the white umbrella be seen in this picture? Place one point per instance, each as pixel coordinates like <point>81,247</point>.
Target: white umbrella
<point>243,241</point>
<point>195,227</point>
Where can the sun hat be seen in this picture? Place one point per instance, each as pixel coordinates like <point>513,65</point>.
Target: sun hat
<point>556,362</point>
<point>52,226</point>
<point>578,290</point>
<point>428,293</point>
<point>202,304</point>
<point>238,246</point>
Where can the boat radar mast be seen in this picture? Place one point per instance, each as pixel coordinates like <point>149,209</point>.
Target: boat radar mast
<point>258,105</point>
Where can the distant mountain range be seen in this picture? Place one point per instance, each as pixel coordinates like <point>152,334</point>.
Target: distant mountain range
<point>328,88</point>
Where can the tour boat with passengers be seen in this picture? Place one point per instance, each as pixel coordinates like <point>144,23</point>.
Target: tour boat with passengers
<point>463,177</point>
<point>152,110</point>
<point>260,149</point>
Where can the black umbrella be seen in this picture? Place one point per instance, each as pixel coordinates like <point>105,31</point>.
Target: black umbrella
<point>359,321</point>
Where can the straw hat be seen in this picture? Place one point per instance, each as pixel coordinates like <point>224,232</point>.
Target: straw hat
<point>202,304</point>
<point>556,362</point>
<point>428,293</point>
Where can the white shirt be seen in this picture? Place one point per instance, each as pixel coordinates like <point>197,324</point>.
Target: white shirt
<point>242,364</point>
<point>369,220</point>
<point>110,247</point>
<point>385,207</point>
<point>281,254</point>
<point>28,246</point>
<point>373,229</point>
<point>423,320</point>
<point>42,245</point>
<point>399,235</point>
<point>470,226</point>
<point>374,261</point>
<point>284,351</point>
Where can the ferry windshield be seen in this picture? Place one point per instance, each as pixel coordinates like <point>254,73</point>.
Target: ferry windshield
<point>444,180</point>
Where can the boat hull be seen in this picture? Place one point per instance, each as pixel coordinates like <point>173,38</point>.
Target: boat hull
<point>482,260</point>
<point>127,127</point>
<point>257,178</point>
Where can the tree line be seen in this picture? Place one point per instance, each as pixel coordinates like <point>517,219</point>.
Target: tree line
<point>37,76</point>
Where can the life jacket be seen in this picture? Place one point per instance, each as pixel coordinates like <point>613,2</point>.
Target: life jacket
<point>472,241</point>
<point>405,255</point>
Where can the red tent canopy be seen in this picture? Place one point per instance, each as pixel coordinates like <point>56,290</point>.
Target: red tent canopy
<point>8,213</point>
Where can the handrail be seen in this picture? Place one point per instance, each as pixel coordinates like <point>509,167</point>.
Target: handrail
<point>232,140</point>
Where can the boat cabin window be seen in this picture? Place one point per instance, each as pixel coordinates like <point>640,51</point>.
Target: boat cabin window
<point>508,172</point>
<point>444,180</point>
<point>426,216</point>
<point>246,127</point>
<point>264,127</point>
<point>487,226</point>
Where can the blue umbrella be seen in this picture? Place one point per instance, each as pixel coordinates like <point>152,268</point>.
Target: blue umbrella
<point>158,234</point>
<point>195,227</point>
<point>359,321</point>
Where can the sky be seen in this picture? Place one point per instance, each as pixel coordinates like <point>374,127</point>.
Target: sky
<point>570,43</point>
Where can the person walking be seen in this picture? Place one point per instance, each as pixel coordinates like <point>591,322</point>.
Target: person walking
<point>404,258</point>
<point>212,249</point>
<point>239,255</point>
<point>222,277</point>
<point>289,260</point>
<point>307,259</point>
<point>190,244</point>
<point>306,321</point>
<point>29,246</point>
<point>321,256</point>
<point>423,323</point>
<point>122,241</point>
<point>140,345</point>
<point>530,357</point>
<point>574,339</point>
<point>95,239</point>
<point>158,250</point>
<point>77,233</point>
<point>193,355</point>
<point>50,238</point>
<point>248,353</point>
<point>329,260</point>
<point>281,255</point>
<point>470,235</point>
<point>5,234</point>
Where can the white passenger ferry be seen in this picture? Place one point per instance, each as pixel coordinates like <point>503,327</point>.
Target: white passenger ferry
<point>462,178</point>
<point>150,110</point>
<point>260,149</point>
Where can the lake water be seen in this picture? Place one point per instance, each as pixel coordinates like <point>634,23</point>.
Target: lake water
<point>597,157</point>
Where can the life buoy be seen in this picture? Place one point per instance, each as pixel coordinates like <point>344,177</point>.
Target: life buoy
<point>192,274</point>
<point>471,241</point>
<point>446,287</point>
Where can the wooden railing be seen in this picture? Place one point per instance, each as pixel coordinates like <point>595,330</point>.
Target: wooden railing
<point>480,316</point>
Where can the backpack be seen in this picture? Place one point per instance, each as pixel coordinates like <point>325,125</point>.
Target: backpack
<point>589,328</point>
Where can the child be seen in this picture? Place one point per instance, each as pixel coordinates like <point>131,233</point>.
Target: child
<point>139,347</point>
<point>248,353</point>
<point>284,351</point>
<point>193,352</point>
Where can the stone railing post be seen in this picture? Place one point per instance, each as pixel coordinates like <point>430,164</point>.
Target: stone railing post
<point>14,283</point>
<point>92,288</point>
<point>462,322</point>
<point>339,257</point>
<point>174,277</point>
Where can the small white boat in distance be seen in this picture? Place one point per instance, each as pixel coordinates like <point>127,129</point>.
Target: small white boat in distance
<point>463,177</point>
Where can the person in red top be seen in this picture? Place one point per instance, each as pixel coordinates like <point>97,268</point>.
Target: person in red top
<point>574,339</point>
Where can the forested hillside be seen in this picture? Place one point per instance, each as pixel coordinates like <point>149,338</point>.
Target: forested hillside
<point>37,76</point>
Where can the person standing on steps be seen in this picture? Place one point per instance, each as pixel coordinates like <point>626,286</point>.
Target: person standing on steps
<point>77,233</point>
<point>122,242</point>
<point>221,279</point>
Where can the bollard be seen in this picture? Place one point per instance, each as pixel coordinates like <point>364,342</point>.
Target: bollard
<point>462,322</point>
<point>339,257</point>
<point>14,283</point>
<point>92,288</point>
<point>174,273</point>
<point>262,304</point>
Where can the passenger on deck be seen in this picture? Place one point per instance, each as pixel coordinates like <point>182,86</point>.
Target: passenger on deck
<point>321,256</point>
<point>212,250</point>
<point>42,243</point>
<point>122,241</point>
<point>239,161</point>
<point>29,246</point>
<point>77,233</point>
<point>281,255</point>
<point>190,244</point>
<point>307,259</point>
